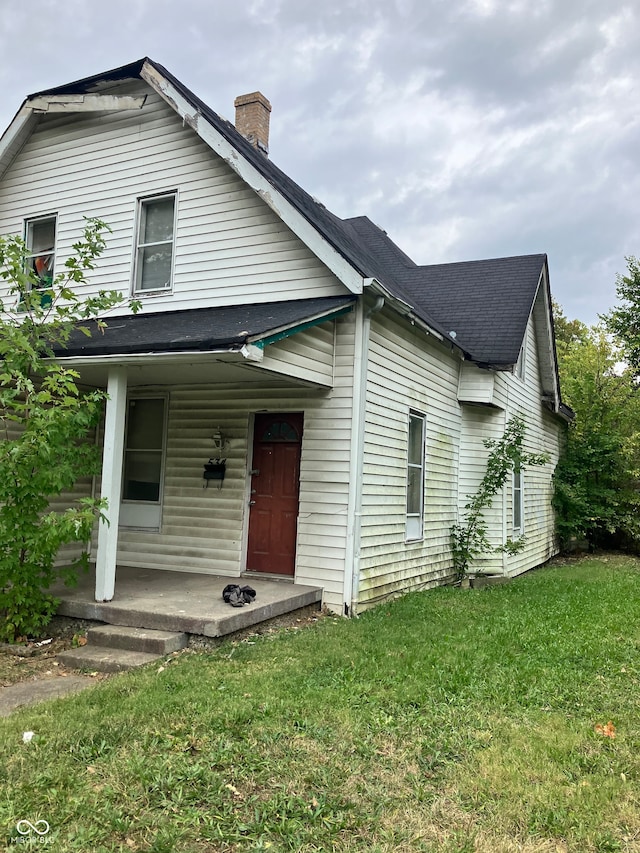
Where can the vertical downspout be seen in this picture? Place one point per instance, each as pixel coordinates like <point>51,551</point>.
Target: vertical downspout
<point>358,423</point>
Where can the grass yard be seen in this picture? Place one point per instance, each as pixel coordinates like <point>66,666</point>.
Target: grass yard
<point>445,721</point>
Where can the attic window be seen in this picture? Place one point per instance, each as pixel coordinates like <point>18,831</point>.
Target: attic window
<point>155,244</point>
<point>522,358</point>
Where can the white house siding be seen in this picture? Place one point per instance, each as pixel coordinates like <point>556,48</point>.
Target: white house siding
<point>230,246</point>
<point>476,385</point>
<point>407,370</point>
<point>543,434</point>
<point>480,423</point>
<point>204,530</point>
<point>307,355</point>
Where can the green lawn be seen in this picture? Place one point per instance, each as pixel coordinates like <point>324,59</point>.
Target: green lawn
<point>445,721</point>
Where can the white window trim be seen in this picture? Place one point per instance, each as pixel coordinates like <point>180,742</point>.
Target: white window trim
<point>414,522</point>
<point>132,512</point>
<point>137,246</point>
<point>31,220</point>
<point>517,492</point>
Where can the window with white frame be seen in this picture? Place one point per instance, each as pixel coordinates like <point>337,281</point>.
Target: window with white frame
<point>415,475</point>
<point>155,243</point>
<point>144,449</point>
<point>40,239</point>
<point>518,504</point>
<point>144,459</point>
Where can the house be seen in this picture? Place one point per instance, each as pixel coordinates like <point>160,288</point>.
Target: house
<point>297,398</point>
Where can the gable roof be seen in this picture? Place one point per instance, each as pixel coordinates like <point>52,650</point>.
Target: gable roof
<point>486,304</point>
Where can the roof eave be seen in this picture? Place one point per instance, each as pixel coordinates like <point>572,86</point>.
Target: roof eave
<point>27,117</point>
<point>547,343</point>
<point>278,333</point>
<point>245,352</point>
<point>16,135</point>
<point>405,309</point>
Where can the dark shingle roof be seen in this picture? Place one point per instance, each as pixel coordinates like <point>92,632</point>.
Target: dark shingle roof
<point>202,329</point>
<point>486,303</point>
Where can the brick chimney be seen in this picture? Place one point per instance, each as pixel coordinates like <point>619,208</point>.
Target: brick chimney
<point>252,119</point>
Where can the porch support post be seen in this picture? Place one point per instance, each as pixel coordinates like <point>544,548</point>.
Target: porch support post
<point>112,456</point>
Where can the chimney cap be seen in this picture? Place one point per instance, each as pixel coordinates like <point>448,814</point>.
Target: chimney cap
<point>250,98</point>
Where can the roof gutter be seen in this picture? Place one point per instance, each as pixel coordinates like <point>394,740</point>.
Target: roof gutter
<point>405,310</point>
<point>248,352</point>
<point>279,334</point>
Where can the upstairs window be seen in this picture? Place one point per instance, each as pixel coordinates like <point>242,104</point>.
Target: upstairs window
<point>40,237</point>
<point>155,243</point>
<point>415,475</point>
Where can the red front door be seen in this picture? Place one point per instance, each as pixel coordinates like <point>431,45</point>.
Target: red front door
<point>275,482</point>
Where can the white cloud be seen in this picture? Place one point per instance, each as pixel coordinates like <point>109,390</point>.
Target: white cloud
<point>465,129</point>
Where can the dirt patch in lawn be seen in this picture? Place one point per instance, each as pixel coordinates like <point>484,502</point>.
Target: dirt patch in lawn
<point>36,657</point>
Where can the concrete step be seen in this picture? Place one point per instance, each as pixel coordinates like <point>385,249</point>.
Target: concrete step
<point>102,659</point>
<point>136,639</point>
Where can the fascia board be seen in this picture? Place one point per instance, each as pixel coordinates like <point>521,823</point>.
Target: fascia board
<point>544,337</point>
<point>84,103</point>
<point>26,118</point>
<point>15,136</point>
<point>300,226</point>
<point>289,329</point>
<point>248,352</point>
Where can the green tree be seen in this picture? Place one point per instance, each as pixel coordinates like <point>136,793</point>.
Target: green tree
<point>596,480</point>
<point>45,421</point>
<point>623,321</point>
<point>567,332</point>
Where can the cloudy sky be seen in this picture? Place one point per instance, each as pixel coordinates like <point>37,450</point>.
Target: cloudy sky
<point>465,128</point>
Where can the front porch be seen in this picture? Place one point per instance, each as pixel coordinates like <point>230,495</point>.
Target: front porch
<point>182,601</point>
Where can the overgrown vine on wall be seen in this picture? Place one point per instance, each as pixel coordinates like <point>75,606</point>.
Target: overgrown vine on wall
<point>469,537</point>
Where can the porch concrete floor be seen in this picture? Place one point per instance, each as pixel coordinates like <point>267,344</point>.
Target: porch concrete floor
<point>179,601</point>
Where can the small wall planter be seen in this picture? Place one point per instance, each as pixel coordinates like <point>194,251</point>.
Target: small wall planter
<point>214,471</point>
